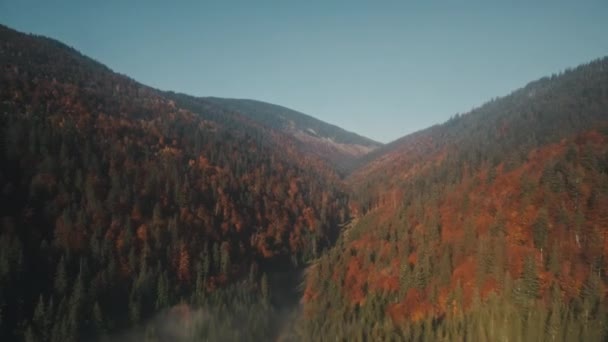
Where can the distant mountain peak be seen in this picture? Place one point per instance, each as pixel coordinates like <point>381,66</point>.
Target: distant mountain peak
<point>332,143</point>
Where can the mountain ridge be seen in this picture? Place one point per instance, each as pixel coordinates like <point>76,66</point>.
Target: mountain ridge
<point>532,89</point>
<point>329,141</point>
<point>340,153</point>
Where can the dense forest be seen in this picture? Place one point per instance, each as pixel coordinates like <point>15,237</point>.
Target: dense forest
<point>119,202</point>
<point>491,226</point>
<point>129,213</point>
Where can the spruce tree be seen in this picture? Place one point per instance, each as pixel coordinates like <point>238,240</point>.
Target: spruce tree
<point>531,283</point>
<point>61,281</point>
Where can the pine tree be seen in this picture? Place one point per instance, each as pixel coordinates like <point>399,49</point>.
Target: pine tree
<point>75,307</point>
<point>265,288</point>
<point>98,318</point>
<point>30,335</point>
<point>206,262</point>
<point>554,260</point>
<point>225,264</point>
<point>555,324</point>
<point>40,319</point>
<point>422,269</point>
<point>199,290</point>
<point>157,215</point>
<point>592,295</point>
<point>61,281</point>
<point>470,236</point>
<point>216,256</point>
<point>531,284</point>
<point>134,309</point>
<point>162,292</point>
<point>405,275</point>
<point>445,268</point>
<point>540,230</point>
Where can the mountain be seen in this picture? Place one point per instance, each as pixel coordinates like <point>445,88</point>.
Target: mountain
<point>129,213</point>
<point>121,204</point>
<point>330,142</point>
<point>490,226</point>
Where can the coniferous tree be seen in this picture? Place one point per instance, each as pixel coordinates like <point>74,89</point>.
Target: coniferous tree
<point>265,288</point>
<point>540,230</point>
<point>61,281</point>
<point>98,320</point>
<point>530,285</point>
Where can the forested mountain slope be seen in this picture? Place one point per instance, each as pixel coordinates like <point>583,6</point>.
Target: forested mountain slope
<point>128,213</point>
<point>118,201</point>
<point>491,226</point>
<point>340,147</point>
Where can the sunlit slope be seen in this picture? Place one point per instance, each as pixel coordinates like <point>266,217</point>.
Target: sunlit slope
<point>490,226</point>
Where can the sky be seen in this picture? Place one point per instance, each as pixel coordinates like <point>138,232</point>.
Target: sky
<point>382,69</point>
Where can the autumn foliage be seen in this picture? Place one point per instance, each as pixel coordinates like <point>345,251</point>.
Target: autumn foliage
<point>501,210</point>
<point>149,197</point>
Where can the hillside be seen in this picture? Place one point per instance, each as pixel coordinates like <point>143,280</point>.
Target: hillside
<point>340,147</point>
<point>118,202</point>
<point>129,213</point>
<point>491,226</point>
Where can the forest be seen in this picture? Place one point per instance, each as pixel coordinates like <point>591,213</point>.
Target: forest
<point>119,202</point>
<point>130,213</point>
<point>490,226</point>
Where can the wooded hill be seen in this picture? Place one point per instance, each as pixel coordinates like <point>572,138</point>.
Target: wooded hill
<point>118,201</point>
<point>491,226</point>
<point>339,147</point>
<point>134,214</point>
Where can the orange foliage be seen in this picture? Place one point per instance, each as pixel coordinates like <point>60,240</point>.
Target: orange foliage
<point>309,216</point>
<point>142,233</point>
<point>136,213</point>
<point>493,202</point>
<point>489,286</point>
<point>385,281</point>
<point>413,307</point>
<point>465,275</point>
<point>354,281</point>
<point>412,258</point>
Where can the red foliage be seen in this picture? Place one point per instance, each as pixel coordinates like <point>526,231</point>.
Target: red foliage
<point>142,233</point>
<point>183,271</point>
<point>354,281</point>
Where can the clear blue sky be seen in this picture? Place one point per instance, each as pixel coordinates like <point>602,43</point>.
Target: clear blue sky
<point>381,69</point>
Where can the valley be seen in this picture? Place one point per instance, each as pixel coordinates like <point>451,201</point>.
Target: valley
<point>131,213</point>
